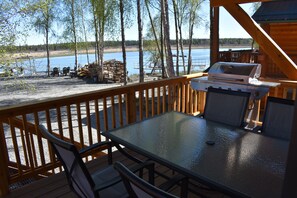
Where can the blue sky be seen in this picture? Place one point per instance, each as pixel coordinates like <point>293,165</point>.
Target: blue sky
<point>229,28</point>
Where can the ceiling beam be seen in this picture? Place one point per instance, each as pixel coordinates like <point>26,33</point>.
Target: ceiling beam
<point>215,3</point>
<point>282,60</point>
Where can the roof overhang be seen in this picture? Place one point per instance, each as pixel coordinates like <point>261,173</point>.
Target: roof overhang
<point>276,12</point>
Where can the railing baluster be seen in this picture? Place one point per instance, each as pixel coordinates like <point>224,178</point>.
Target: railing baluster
<point>113,116</point>
<point>105,116</point>
<point>70,126</point>
<point>59,120</point>
<point>140,99</point>
<point>40,145</point>
<point>146,103</point>
<point>50,150</point>
<point>153,102</point>
<point>164,99</point>
<point>79,122</point>
<point>22,135</point>
<point>179,100</point>
<point>169,95</point>
<point>16,147</point>
<point>191,100</point>
<point>158,100</point>
<point>98,124</point>
<point>195,101</point>
<point>183,87</point>
<point>89,124</point>
<point>120,103</point>
<point>30,145</point>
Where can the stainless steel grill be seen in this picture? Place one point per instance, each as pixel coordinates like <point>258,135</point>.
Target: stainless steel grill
<point>238,77</point>
<point>234,76</point>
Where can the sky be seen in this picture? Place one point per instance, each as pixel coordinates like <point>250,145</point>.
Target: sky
<point>229,28</point>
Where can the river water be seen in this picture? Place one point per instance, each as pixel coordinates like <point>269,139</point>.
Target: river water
<point>200,58</point>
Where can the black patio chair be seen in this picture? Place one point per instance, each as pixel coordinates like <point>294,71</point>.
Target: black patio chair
<point>278,118</point>
<point>137,187</point>
<point>226,106</point>
<point>102,183</point>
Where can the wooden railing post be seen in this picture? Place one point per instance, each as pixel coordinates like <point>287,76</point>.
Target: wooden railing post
<point>131,104</point>
<point>4,184</point>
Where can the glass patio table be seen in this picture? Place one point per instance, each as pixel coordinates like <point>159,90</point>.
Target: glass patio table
<point>234,161</point>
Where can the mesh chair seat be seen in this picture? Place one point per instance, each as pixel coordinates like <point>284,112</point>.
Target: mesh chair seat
<point>278,118</point>
<point>102,183</point>
<point>226,106</point>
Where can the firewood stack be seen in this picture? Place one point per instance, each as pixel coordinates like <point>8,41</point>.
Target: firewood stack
<point>113,70</point>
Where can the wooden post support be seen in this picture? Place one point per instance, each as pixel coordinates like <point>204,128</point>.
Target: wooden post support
<point>131,106</point>
<point>214,35</point>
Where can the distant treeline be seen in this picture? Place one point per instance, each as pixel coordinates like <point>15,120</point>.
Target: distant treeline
<point>129,43</point>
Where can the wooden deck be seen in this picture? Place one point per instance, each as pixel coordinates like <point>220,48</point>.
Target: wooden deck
<point>57,186</point>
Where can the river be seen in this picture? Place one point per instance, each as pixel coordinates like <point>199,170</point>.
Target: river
<point>200,58</point>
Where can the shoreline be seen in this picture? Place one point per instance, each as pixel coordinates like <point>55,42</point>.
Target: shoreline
<point>61,53</point>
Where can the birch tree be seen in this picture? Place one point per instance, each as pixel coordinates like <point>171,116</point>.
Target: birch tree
<point>105,23</point>
<point>70,21</point>
<point>140,40</point>
<point>126,11</point>
<point>43,12</point>
<point>194,19</point>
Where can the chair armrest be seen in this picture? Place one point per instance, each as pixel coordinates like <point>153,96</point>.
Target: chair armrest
<point>108,145</point>
<point>95,146</point>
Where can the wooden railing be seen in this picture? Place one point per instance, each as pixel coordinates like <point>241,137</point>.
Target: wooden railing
<point>26,156</point>
<point>240,56</point>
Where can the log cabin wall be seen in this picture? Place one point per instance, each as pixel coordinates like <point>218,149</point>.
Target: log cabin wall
<point>285,35</point>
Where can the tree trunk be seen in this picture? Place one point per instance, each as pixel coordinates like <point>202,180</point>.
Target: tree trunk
<point>74,32</point>
<point>47,43</point>
<point>84,30</point>
<point>191,26</point>
<point>169,62</point>
<point>162,48</point>
<point>176,35</point>
<point>153,26</point>
<point>96,37</point>
<point>123,41</point>
<point>140,42</point>
<point>181,42</point>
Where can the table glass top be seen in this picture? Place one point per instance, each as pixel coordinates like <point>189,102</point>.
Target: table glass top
<point>226,157</point>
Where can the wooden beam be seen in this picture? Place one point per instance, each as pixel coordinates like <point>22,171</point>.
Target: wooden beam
<point>282,60</point>
<point>214,34</point>
<point>216,3</point>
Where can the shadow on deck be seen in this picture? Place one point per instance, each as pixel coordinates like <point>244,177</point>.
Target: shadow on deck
<point>57,186</point>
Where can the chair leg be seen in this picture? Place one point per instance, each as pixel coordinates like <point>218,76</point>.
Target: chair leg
<point>184,188</point>
<point>109,150</point>
<point>151,170</point>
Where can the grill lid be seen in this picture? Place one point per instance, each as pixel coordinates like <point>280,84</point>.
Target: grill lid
<point>234,72</point>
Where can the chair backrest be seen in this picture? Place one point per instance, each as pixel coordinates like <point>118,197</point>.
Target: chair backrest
<point>79,178</point>
<point>278,118</point>
<point>226,106</point>
<point>137,187</point>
